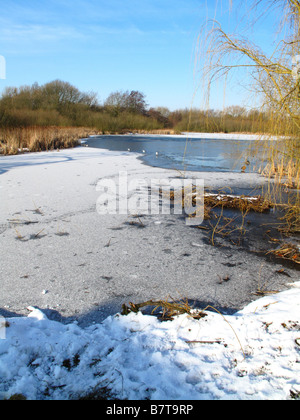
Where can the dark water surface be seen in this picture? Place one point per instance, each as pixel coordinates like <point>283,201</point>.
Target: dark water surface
<point>201,155</point>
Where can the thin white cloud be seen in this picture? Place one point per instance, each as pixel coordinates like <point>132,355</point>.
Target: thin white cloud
<point>58,19</point>
<point>21,33</point>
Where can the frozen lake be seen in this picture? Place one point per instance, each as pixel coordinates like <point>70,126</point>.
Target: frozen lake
<point>184,153</point>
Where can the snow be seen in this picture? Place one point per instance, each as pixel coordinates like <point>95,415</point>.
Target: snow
<point>230,136</point>
<point>253,354</point>
<point>216,136</point>
<point>220,197</point>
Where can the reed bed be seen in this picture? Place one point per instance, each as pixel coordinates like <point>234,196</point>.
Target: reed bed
<point>284,173</point>
<point>36,139</point>
<point>157,132</point>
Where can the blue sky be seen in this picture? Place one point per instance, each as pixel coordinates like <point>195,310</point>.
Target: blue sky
<point>109,45</point>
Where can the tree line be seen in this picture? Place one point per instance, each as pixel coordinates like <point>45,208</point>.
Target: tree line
<point>61,104</point>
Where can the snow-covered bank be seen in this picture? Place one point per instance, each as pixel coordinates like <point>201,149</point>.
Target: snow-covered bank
<point>227,136</point>
<point>213,136</point>
<point>254,354</point>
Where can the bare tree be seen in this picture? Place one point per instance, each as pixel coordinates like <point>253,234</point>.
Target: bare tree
<point>133,101</point>
<point>59,94</point>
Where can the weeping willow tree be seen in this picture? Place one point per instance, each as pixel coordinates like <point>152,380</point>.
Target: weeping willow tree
<point>275,79</point>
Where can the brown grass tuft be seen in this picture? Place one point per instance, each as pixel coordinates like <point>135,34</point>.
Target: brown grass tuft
<point>288,251</point>
<point>168,309</point>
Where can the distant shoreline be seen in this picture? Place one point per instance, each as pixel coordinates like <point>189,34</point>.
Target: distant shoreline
<point>216,136</point>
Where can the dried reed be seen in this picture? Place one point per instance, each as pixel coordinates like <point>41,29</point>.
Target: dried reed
<point>168,309</point>
<point>35,139</point>
<point>288,251</point>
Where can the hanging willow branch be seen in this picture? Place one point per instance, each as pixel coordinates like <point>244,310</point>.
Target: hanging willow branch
<point>275,82</point>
